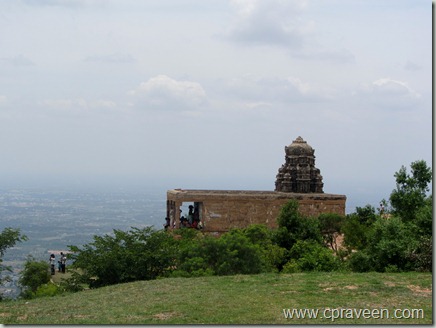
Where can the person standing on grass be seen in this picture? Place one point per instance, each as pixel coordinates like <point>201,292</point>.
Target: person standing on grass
<point>52,262</point>
<point>63,262</point>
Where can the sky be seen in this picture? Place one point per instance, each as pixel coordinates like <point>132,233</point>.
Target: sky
<point>206,94</point>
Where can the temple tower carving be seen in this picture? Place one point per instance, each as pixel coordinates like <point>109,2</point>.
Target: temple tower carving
<point>299,174</point>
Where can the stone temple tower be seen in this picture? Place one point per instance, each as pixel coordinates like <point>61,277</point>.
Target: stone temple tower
<point>299,174</point>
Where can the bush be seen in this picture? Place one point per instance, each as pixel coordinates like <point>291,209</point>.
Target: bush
<point>410,194</point>
<point>34,275</point>
<point>273,255</point>
<point>389,244</point>
<point>232,253</point>
<point>47,290</point>
<point>311,256</point>
<point>138,254</point>
<point>360,262</point>
<point>8,238</point>
<point>293,227</point>
<point>422,255</point>
<point>330,225</point>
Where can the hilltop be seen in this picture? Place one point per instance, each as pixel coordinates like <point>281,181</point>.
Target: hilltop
<point>240,299</point>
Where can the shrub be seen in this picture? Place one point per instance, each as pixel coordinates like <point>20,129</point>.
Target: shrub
<point>138,254</point>
<point>47,290</point>
<point>308,255</point>
<point>355,232</point>
<point>389,244</point>
<point>293,226</point>
<point>232,253</point>
<point>34,275</point>
<point>410,194</point>
<point>360,262</point>
<point>8,238</point>
<point>330,225</point>
<point>422,255</point>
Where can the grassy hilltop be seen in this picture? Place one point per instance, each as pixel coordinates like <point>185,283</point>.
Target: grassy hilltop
<point>240,299</point>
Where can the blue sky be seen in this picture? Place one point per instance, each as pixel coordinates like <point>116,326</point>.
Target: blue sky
<point>206,94</point>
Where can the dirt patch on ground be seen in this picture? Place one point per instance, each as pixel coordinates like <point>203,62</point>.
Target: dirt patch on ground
<point>420,290</point>
<point>351,287</point>
<point>164,316</point>
<point>389,284</point>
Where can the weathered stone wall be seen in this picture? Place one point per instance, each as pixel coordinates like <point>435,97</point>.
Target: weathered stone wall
<point>223,210</point>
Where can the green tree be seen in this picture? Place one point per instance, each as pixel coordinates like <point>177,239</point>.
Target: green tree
<point>357,226</point>
<point>330,225</point>
<point>232,253</point>
<point>293,226</point>
<point>8,238</point>
<point>125,256</point>
<point>34,275</point>
<point>390,243</point>
<point>308,255</point>
<point>410,193</point>
<point>273,255</point>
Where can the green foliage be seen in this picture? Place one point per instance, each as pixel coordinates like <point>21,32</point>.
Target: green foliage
<point>410,194</point>
<point>258,234</point>
<point>308,255</point>
<point>34,275</point>
<point>8,238</point>
<point>375,242</point>
<point>424,219</point>
<point>360,262</point>
<point>422,255</point>
<point>390,243</point>
<point>330,225</point>
<point>366,215</point>
<point>293,226</point>
<point>357,227</point>
<point>232,253</point>
<point>72,284</point>
<point>401,241</point>
<point>241,255</point>
<point>138,254</point>
<point>355,233</point>
<point>47,290</point>
<point>273,256</point>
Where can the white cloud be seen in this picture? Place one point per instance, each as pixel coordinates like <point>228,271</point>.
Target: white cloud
<point>388,93</point>
<point>282,23</point>
<point>389,87</point>
<point>2,99</point>
<point>163,92</point>
<point>274,22</point>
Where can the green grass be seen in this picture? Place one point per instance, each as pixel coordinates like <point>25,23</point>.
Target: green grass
<point>241,299</point>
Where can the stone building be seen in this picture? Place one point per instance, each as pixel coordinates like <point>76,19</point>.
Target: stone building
<point>222,210</point>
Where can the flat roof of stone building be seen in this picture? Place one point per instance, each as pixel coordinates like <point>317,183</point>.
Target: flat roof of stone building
<point>197,194</point>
